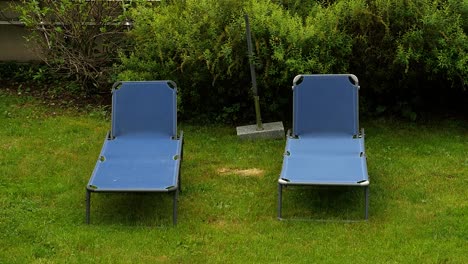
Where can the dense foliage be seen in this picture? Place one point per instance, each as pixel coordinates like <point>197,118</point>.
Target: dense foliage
<point>410,55</point>
<point>202,46</point>
<point>78,39</point>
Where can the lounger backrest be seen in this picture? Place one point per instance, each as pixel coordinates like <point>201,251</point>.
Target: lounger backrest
<point>325,104</point>
<point>144,108</point>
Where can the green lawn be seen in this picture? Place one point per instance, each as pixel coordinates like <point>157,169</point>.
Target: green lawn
<point>227,211</point>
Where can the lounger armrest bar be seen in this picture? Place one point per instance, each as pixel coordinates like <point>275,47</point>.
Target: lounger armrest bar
<point>108,137</point>
<point>363,135</point>
<point>179,154</point>
<point>101,155</point>
<point>181,142</point>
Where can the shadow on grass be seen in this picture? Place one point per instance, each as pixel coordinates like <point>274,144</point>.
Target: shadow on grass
<point>329,203</point>
<point>132,209</point>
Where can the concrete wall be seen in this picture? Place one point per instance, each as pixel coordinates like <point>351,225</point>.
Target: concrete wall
<point>13,46</point>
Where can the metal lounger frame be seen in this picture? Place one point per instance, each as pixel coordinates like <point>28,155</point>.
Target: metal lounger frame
<point>354,127</point>
<point>172,189</point>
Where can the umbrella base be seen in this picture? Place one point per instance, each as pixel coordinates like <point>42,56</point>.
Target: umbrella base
<point>270,130</point>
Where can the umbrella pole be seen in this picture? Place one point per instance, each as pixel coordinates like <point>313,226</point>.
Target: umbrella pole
<point>253,76</point>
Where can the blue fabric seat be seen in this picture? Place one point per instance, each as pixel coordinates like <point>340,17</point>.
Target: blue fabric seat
<point>325,146</point>
<point>141,157</point>
<point>142,152</point>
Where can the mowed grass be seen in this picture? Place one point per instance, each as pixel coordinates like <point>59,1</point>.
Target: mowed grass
<point>227,210</point>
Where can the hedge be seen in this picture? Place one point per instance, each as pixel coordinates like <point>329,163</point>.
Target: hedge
<point>408,55</point>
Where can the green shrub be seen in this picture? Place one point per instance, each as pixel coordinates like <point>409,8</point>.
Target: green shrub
<point>407,54</point>
<point>202,46</point>
<point>79,39</point>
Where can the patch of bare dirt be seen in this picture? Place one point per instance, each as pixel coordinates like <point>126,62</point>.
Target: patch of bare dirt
<point>253,172</point>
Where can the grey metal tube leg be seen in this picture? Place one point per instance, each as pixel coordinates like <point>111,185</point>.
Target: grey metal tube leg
<point>174,209</point>
<point>366,197</point>
<point>280,200</point>
<point>88,206</point>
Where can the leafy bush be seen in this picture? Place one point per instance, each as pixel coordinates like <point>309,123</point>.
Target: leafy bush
<point>77,38</point>
<point>202,46</point>
<point>408,55</point>
<point>405,53</point>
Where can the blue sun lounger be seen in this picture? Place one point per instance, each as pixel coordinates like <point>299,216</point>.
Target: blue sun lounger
<point>325,147</point>
<point>141,152</point>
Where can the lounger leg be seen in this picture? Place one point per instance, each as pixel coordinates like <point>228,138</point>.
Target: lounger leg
<point>280,200</point>
<point>366,197</point>
<point>174,209</point>
<point>88,206</point>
